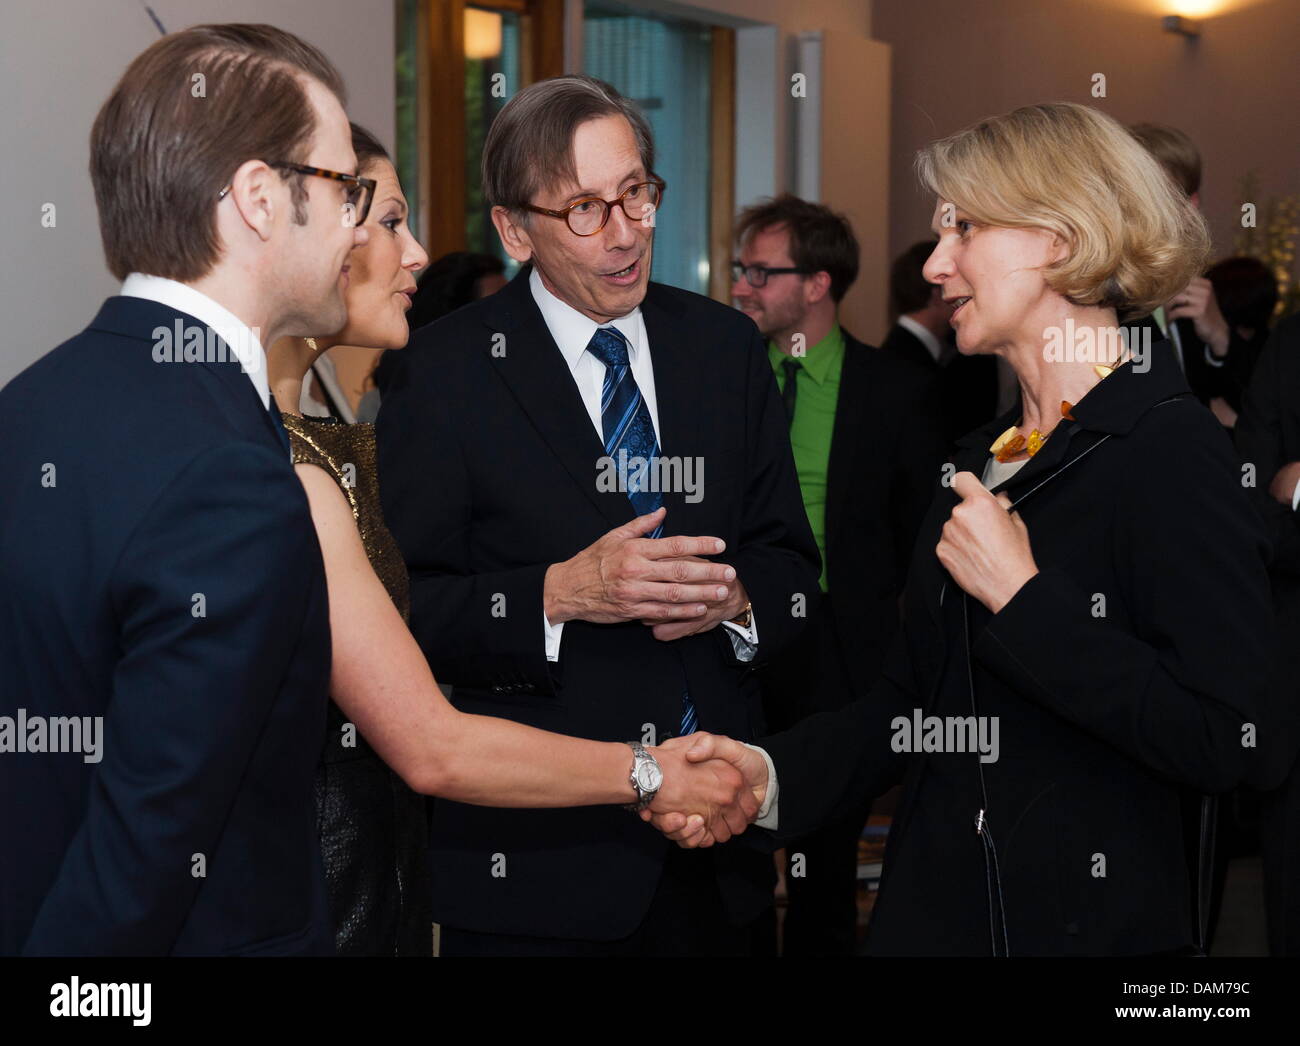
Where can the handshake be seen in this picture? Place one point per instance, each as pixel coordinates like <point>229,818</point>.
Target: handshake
<point>713,788</point>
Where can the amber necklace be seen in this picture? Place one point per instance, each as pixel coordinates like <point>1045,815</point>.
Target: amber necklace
<point>1012,443</point>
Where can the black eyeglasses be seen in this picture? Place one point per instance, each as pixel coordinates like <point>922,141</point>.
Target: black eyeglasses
<point>360,191</point>
<point>587,216</point>
<point>756,275</point>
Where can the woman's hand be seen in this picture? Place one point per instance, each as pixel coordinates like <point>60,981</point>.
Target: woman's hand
<point>983,546</point>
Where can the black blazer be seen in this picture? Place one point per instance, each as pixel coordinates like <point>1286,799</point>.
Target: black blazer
<point>169,581</point>
<point>886,449</point>
<point>1268,437</point>
<point>1229,380</point>
<point>488,470</point>
<point>1126,668</point>
<point>968,385</point>
<point>901,342</point>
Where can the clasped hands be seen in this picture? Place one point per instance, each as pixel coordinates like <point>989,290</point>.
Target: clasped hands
<point>661,582</point>
<point>713,788</point>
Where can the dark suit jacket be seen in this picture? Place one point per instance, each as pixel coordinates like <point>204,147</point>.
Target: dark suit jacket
<point>968,385</point>
<point>1206,381</point>
<point>169,581</point>
<point>1126,668</point>
<point>488,469</point>
<point>886,448</point>
<point>1268,437</point>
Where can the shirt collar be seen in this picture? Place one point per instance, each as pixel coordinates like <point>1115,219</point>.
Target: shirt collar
<point>819,360</point>
<point>923,335</point>
<point>242,340</point>
<point>573,331</point>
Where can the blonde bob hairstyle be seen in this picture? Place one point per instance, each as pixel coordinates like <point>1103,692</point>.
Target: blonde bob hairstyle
<point>1134,239</point>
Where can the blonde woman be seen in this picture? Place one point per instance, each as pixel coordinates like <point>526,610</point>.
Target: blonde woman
<point>1086,620</point>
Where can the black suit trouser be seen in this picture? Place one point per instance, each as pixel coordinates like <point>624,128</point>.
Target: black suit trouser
<point>686,919</point>
<point>821,872</point>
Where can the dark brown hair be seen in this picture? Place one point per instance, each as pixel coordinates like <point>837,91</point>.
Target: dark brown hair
<point>820,239</point>
<point>367,147</point>
<point>1246,291</point>
<point>529,146</point>
<point>188,111</point>
<point>1175,152</point>
<point>909,291</point>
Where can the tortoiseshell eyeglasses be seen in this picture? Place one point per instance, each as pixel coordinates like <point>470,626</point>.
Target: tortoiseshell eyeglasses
<point>360,191</point>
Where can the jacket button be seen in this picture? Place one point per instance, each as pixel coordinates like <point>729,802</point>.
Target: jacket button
<point>1071,927</point>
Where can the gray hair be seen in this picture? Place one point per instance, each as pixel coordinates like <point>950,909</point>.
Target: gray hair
<point>529,146</point>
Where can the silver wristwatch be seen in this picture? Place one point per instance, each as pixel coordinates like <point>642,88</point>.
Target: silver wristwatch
<point>647,778</point>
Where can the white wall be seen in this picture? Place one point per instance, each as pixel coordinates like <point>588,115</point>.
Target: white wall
<point>58,61</point>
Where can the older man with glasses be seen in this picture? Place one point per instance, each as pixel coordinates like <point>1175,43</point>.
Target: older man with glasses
<point>590,480</point>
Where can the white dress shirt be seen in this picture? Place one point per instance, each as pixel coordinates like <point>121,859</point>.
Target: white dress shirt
<point>573,332</point>
<point>238,336</point>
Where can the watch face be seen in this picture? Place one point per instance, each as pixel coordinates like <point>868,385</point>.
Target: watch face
<point>649,777</point>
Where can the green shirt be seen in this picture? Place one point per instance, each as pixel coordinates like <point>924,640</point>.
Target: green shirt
<point>816,394</point>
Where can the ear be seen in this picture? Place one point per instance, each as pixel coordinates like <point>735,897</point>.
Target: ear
<point>1059,249</point>
<point>258,193</point>
<point>817,287</point>
<point>514,237</point>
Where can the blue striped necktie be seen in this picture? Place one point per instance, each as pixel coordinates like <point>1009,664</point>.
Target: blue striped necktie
<point>629,431</point>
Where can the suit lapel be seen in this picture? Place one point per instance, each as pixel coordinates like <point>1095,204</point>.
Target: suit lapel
<point>534,370</point>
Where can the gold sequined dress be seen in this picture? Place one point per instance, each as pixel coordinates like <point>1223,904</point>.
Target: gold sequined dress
<point>372,827</point>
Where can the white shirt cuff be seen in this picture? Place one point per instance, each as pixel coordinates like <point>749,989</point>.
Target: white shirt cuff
<point>744,641</point>
<point>553,634</point>
<point>1214,360</point>
<point>767,813</point>
<point>1295,498</point>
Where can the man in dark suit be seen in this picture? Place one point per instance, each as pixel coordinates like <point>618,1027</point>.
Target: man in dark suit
<point>1215,359</point>
<point>968,385</point>
<point>868,444</point>
<point>1268,442</point>
<point>561,464</point>
<point>164,630</point>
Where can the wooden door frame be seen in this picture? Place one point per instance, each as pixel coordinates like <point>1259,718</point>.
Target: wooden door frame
<point>441,83</point>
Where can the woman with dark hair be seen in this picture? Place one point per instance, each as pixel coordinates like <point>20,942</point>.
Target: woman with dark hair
<point>387,710</point>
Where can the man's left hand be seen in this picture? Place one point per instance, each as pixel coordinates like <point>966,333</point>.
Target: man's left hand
<point>1198,304</point>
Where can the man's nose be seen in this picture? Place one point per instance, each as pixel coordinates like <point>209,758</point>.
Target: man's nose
<point>620,230</point>
<point>360,236</point>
